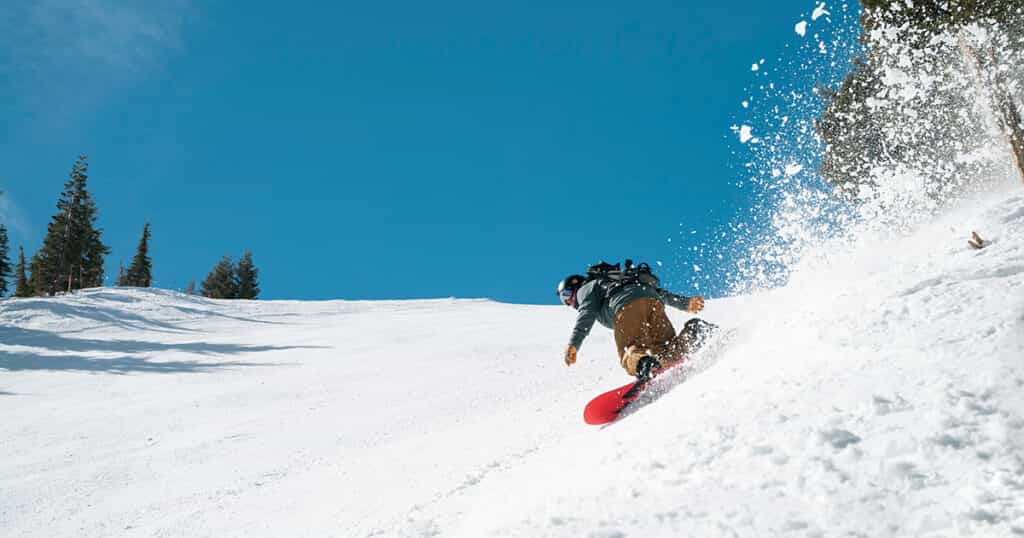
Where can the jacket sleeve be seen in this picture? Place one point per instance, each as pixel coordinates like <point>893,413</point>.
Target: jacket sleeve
<point>590,304</point>
<point>675,301</point>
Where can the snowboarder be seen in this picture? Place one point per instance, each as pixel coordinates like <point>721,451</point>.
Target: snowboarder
<point>635,310</point>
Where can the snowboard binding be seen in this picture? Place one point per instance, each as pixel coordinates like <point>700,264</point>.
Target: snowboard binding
<point>645,367</point>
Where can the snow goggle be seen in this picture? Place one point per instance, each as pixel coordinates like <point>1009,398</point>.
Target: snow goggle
<point>568,297</point>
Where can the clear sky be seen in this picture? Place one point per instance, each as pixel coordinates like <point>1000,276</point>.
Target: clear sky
<point>370,150</point>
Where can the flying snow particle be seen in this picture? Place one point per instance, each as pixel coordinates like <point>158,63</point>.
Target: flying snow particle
<point>819,11</point>
<point>801,28</point>
<point>745,134</point>
<point>754,67</point>
<point>746,104</point>
<point>696,268</point>
<point>793,169</point>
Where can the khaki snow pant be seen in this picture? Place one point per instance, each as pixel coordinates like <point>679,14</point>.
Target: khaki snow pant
<point>643,328</point>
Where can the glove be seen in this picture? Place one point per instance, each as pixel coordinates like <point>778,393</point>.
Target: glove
<point>570,355</point>
<point>696,304</point>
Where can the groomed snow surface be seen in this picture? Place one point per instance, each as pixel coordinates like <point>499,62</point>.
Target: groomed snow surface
<point>879,394</point>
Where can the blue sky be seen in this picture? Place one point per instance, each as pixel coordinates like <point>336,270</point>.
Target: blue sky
<point>388,149</point>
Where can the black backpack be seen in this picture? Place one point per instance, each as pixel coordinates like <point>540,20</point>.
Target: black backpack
<point>613,277</point>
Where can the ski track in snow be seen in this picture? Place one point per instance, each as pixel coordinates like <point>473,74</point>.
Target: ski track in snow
<point>880,394</point>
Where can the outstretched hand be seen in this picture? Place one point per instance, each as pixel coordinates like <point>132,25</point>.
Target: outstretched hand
<point>696,304</point>
<point>570,355</point>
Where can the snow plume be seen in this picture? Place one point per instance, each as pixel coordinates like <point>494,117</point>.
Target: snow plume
<point>930,108</point>
<point>791,208</point>
<point>919,134</point>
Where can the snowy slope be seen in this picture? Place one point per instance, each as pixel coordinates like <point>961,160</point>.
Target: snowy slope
<point>880,393</point>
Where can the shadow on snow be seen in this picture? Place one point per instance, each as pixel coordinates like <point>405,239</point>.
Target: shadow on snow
<point>120,365</point>
<point>126,363</point>
<point>56,307</point>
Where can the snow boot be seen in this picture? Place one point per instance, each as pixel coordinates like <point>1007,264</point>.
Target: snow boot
<point>696,332</point>
<point>645,367</point>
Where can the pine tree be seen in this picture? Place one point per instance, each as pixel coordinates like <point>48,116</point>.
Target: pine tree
<point>72,253</point>
<point>93,251</point>
<point>5,264</point>
<point>220,283</point>
<point>21,287</point>
<point>122,279</point>
<point>36,285</point>
<point>92,262</point>
<point>852,141</point>
<point>50,265</point>
<point>867,124</point>
<point>936,15</point>
<point>246,278</point>
<point>191,288</point>
<point>140,271</point>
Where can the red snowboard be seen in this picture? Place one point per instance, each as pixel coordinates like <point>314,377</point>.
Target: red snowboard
<point>606,407</point>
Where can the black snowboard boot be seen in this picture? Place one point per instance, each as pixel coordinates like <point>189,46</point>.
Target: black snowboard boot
<point>697,331</point>
<point>645,366</point>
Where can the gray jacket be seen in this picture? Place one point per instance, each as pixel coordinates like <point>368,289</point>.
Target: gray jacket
<point>595,305</point>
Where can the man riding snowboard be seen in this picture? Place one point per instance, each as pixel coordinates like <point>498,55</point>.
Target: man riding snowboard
<point>629,302</point>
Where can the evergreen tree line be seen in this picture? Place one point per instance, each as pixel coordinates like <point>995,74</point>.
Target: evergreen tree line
<point>228,280</point>
<point>72,254</point>
<point>918,96</point>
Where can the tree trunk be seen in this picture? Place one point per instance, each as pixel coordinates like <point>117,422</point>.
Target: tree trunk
<point>1014,130</point>
<point>992,89</point>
